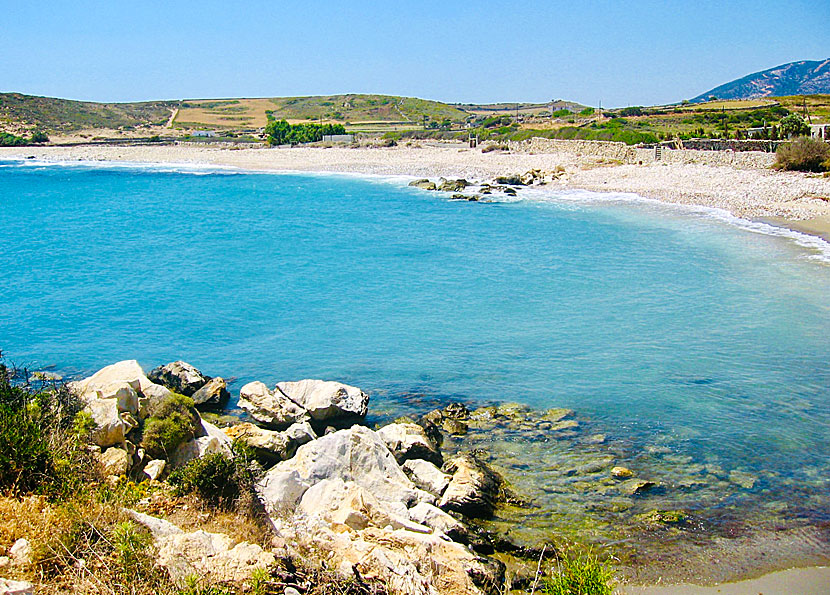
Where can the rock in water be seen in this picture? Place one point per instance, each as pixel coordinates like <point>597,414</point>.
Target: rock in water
<point>409,441</point>
<point>213,394</point>
<point>474,489</point>
<point>423,184</point>
<point>327,401</point>
<point>179,376</point>
<point>270,408</point>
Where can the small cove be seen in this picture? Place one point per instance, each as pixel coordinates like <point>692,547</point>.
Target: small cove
<point>698,348</point>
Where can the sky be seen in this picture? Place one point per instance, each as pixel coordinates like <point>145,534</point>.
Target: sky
<point>611,52</point>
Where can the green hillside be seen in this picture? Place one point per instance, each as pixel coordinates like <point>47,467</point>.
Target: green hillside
<point>65,115</point>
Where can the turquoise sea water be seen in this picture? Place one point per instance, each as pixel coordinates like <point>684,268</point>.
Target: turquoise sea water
<point>654,323</point>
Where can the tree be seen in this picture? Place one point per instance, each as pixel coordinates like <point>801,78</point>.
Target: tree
<point>793,125</point>
<point>277,132</point>
<point>38,136</point>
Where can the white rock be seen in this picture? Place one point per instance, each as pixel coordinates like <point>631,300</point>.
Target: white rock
<point>409,441</point>
<point>268,444</point>
<point>301,433</point>
<point>326,400</point>
<point>21,552</point>
<point>110,428</point>
<point>10,587</point>
<point>213,440</point>
<point>127,371</point>
<point>126,398</point>
<point>280,491</point>
<point>213,555</point>
<point>427,476</point>
<point>357,454</point>
<point>154,468</point>
<point>270,408</point>
<point>438,520</point>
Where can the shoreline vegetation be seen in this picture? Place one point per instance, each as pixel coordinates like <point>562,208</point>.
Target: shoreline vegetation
<point>741,183</point>
<point>118,483</point>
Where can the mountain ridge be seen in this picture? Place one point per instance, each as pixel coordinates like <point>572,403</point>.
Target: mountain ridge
<point>804,77</point>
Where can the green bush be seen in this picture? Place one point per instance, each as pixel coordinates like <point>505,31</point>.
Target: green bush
<point>172,422</point>
<point>39,137</point>
<point>40,448</point>
<point>580,575</point>
<point>215,478</point>
<point>803,154</point>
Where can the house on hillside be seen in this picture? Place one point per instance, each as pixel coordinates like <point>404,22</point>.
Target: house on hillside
<point>204,133</point>
<point>821,131</point>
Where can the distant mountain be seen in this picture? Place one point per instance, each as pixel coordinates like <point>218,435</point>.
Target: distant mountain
<point>807,77</point>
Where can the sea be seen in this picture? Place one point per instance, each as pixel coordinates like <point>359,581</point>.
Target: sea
<point>685,337</point>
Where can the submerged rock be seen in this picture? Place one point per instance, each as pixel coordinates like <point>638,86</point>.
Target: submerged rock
<point>180,377</point>
<point>458,185</point>
<point>621,472</point>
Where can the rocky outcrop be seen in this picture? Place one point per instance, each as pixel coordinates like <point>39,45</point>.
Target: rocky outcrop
<point>474,489</point>
<point>153,469</point>
<point>180,377</point>
<point>270,408</point>
<point>327,401</point>
<point>445,185</point>
<point>213,394</point>
<point>12,587</point>
<point>409,441</point>
<point>214,556</point>
<point>127,371</point>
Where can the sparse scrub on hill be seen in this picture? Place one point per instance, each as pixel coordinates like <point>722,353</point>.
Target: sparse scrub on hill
<point>804,154</point>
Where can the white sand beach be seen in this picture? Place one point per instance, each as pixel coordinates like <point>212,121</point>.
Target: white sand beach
<point>797,200</point>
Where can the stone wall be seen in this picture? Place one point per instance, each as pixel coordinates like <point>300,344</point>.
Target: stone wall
<point>742,159</point>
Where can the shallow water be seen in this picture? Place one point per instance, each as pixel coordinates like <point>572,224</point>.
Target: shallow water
<point>677,333</point>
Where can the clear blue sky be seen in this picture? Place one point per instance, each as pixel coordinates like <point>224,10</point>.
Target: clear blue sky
<point>620,53</point>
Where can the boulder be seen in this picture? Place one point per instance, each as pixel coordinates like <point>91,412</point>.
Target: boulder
<point>127,371</point>
<point>124,395</point>
<point>409,441</point>
<point>213,556</point>
<point>267,444</point>
<point>153,469</point>
<point>423,184</point>
<point>474,489</point>
<point>180,377</point>
<point>11,587</point>
<point>211,440</point>
<point>438,520</point>
<point>152,395</point>
<point>115,461</point>
<point>427,476</point>
<point>111,427</point>
<point>270,408</point>
<point>21,552</point>
<point>213,394</point>
<point>326,401</point>
<point>621,472</point>
<point>301,433</point>
<point>357,454</point>
<point>511,180</point>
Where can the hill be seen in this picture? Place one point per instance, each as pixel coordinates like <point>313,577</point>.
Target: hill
<point>796,78</point>
<point>65,115</point>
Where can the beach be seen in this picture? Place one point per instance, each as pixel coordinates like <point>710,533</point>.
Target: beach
<point>796,200</point>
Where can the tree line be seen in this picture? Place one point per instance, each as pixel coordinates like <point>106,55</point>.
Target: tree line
<point>280,132</point>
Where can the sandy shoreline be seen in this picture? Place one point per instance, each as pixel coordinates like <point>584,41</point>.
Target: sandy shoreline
<point>795,200</point>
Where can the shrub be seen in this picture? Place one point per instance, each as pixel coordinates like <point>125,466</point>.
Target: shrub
<point>40,449</point>
<point>172,422</point>
<point>579,575</point>
<point>803,154</point>
<point>39,137</point>
<point>214,478</point>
